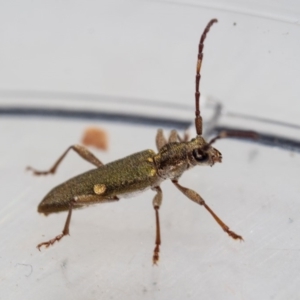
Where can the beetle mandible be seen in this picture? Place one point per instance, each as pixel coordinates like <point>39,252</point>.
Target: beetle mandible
<point>140,171</point>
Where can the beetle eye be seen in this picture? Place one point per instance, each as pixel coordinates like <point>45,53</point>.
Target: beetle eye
<point>199,155</point>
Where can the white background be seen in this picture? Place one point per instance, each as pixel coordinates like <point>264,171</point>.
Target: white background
<point>147,50</point>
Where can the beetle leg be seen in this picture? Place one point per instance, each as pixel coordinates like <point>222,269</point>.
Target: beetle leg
<point>65,230</point>
<point>78,200</point>
<point>160,139</point>
<point>198,199</point>
<point>82,151</point>
<point>157,200</point>
<point>173,138</point>
<point>186,136</point>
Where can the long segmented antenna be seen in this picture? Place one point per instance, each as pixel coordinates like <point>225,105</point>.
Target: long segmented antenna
<point>246,134</point>
<point>198,119</point>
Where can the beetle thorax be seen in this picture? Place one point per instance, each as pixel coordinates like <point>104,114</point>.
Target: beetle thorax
<point>173,159</point>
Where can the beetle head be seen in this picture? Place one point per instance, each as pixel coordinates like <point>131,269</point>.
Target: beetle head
<point>202,153</point>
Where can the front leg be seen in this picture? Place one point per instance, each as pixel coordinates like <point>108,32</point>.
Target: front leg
<point>198,199</point>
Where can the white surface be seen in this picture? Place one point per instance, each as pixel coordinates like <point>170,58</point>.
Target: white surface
<point>148,50</point>
<point>108,255</point>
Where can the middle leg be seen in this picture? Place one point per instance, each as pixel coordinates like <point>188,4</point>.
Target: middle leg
<point>157,200</point>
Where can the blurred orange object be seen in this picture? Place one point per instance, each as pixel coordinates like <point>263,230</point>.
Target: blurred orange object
<point>96,137</point>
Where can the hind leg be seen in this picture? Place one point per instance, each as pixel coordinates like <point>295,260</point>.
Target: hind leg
<point>82,151</point>
<point>78,200</point>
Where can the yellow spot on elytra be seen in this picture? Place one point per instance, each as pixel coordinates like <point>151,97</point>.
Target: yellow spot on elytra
<point>150,159</point>
<point>99,189</point>
<point>153,172</point>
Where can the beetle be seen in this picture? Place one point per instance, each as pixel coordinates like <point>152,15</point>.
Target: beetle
<point>140,171</point>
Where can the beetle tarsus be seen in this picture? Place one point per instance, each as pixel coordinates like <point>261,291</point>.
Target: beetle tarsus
<point>52,241</point>
<point>156,255</point>
<point>234,235</point>
<point>38,173</point>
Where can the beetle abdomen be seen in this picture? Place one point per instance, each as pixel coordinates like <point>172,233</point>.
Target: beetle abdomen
<point>133,173</point>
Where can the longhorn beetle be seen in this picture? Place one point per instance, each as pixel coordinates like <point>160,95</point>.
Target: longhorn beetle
<point>140,171</point>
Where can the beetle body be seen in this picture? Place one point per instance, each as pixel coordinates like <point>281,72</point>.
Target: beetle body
<point>119,178</point>
<point>140,171</point>
<point>127,176</point>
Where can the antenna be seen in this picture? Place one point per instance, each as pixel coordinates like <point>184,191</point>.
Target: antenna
<point>198,119</point>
